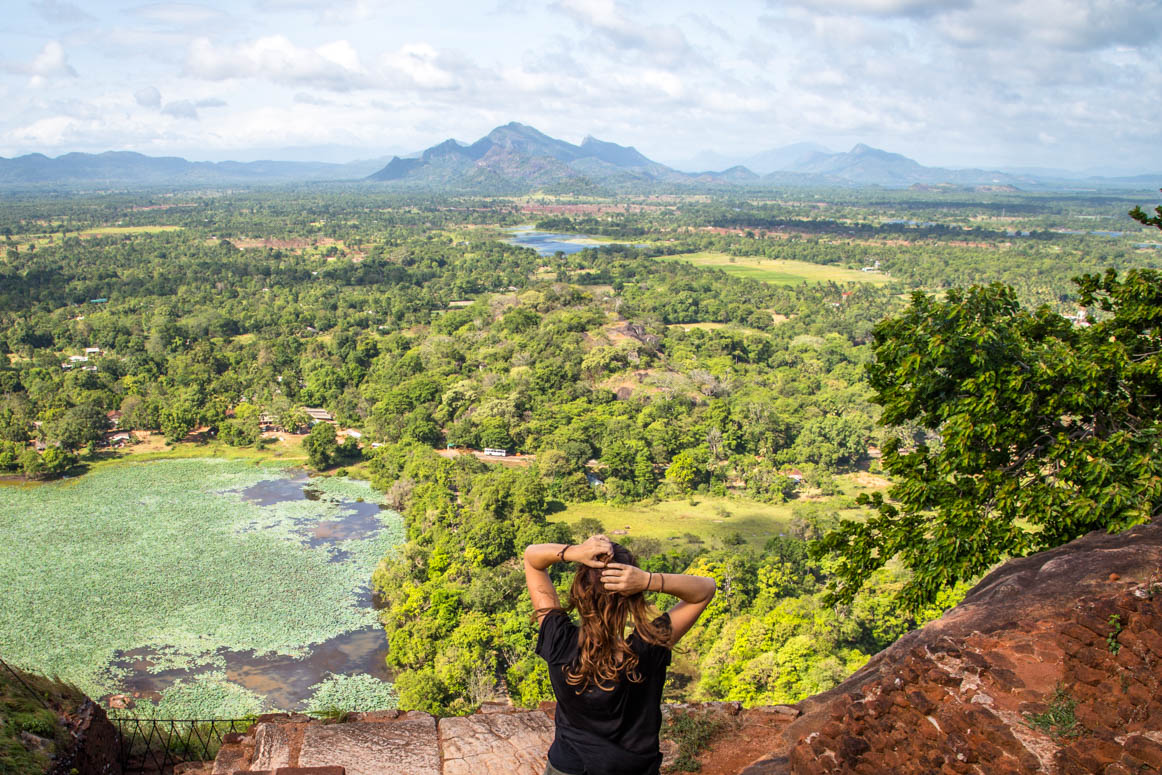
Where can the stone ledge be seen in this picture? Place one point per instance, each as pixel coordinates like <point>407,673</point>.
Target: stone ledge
<point>498,740</point>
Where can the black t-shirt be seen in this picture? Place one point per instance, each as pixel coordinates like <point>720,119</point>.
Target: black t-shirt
<point>604,732</point>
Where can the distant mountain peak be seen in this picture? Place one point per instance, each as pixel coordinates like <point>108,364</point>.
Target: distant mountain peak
<point>517,155</point>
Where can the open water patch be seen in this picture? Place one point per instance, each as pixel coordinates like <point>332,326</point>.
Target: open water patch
<point>283,682</point>
<point>345,519</point>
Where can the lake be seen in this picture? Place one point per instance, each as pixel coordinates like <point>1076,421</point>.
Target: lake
<point>199,588</point>
<point>546,243</point>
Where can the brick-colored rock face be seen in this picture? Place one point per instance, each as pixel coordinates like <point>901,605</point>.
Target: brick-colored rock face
<point>1071,690</point>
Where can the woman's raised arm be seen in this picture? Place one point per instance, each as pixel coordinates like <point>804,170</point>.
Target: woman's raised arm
<point>538,557</point>
<point>694,592</point>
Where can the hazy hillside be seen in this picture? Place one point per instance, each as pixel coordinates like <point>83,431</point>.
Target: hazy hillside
<point>126,168</point>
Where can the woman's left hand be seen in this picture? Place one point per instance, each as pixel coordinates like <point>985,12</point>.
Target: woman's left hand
<point>624,579</point>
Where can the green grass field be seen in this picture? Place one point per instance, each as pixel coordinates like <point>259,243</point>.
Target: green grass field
<point>714,518</point>
<point>779,271</point>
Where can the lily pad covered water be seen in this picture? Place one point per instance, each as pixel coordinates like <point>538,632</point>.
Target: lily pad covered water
<point>211,586</point>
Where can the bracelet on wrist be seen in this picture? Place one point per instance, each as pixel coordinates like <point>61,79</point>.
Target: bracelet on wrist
<point>561,554</point>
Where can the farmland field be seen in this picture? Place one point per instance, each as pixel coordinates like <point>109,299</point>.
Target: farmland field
<point>193,573</point>
<point>778,271</point>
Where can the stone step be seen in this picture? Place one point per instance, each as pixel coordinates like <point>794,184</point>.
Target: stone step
<point>405,746</point>
<point>295,771</point>
<point>496,743</point>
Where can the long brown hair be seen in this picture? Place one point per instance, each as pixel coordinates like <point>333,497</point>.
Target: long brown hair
<point>603,654</point>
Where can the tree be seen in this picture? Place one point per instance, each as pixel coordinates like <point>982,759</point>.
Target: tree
<point>137,414</point>
<point>684,470</point>
<point>1047,430</point>
<point>31,463</point>
<point>1139,215</point>
<point>177,420</point>
<point>320,445</point>
<point>57,460</point>
<point>78,426</point>
<point>244,429</point>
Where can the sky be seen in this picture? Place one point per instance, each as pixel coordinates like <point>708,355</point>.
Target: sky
<point>1071,84</point>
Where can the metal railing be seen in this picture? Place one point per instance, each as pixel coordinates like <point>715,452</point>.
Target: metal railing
<point>153,746</point>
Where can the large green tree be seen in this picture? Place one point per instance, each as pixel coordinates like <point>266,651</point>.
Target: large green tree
<point>1040,430</point>
<point>321,446</point>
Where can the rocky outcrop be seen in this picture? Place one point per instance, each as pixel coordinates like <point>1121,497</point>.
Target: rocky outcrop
<point>1052,664</point>
<point>95,745</point>
<point>498,740</point>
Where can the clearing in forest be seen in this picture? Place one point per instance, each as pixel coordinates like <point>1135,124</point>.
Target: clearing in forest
<point>779,271</point>
<point>704,517</point>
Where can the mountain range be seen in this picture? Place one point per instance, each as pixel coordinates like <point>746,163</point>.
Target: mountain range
<point>518,158</point>
<point>126,168</point>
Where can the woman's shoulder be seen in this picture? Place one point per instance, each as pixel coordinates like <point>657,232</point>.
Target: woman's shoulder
<point>660,625</point>
<point>558,635</point>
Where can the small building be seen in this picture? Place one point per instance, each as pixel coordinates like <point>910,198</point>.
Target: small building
<point>352,433</point>
<point>318,415</point>
<point>120,439</point>
<point>92,351</point>
<point>795,474</point>
<point>496,452</point>
<point>114,417</point>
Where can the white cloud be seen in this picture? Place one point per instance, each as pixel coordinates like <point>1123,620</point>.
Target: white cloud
<point>333,12</point>
<point>179,15</point>
<point>886,8</point>
<point>181,109</point>
<point>421,65</point>
<point>1073,25</point>
<point>311,99</point>
<point>148,97</point>
<point>59,12</point>
<point>618,35</point>
<point>274,58</point>
<point>50,64</point>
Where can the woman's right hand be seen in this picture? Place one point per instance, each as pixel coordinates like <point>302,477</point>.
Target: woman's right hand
<point>595,547</point>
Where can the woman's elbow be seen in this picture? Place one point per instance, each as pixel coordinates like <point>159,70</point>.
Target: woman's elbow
<point>711,590</point>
